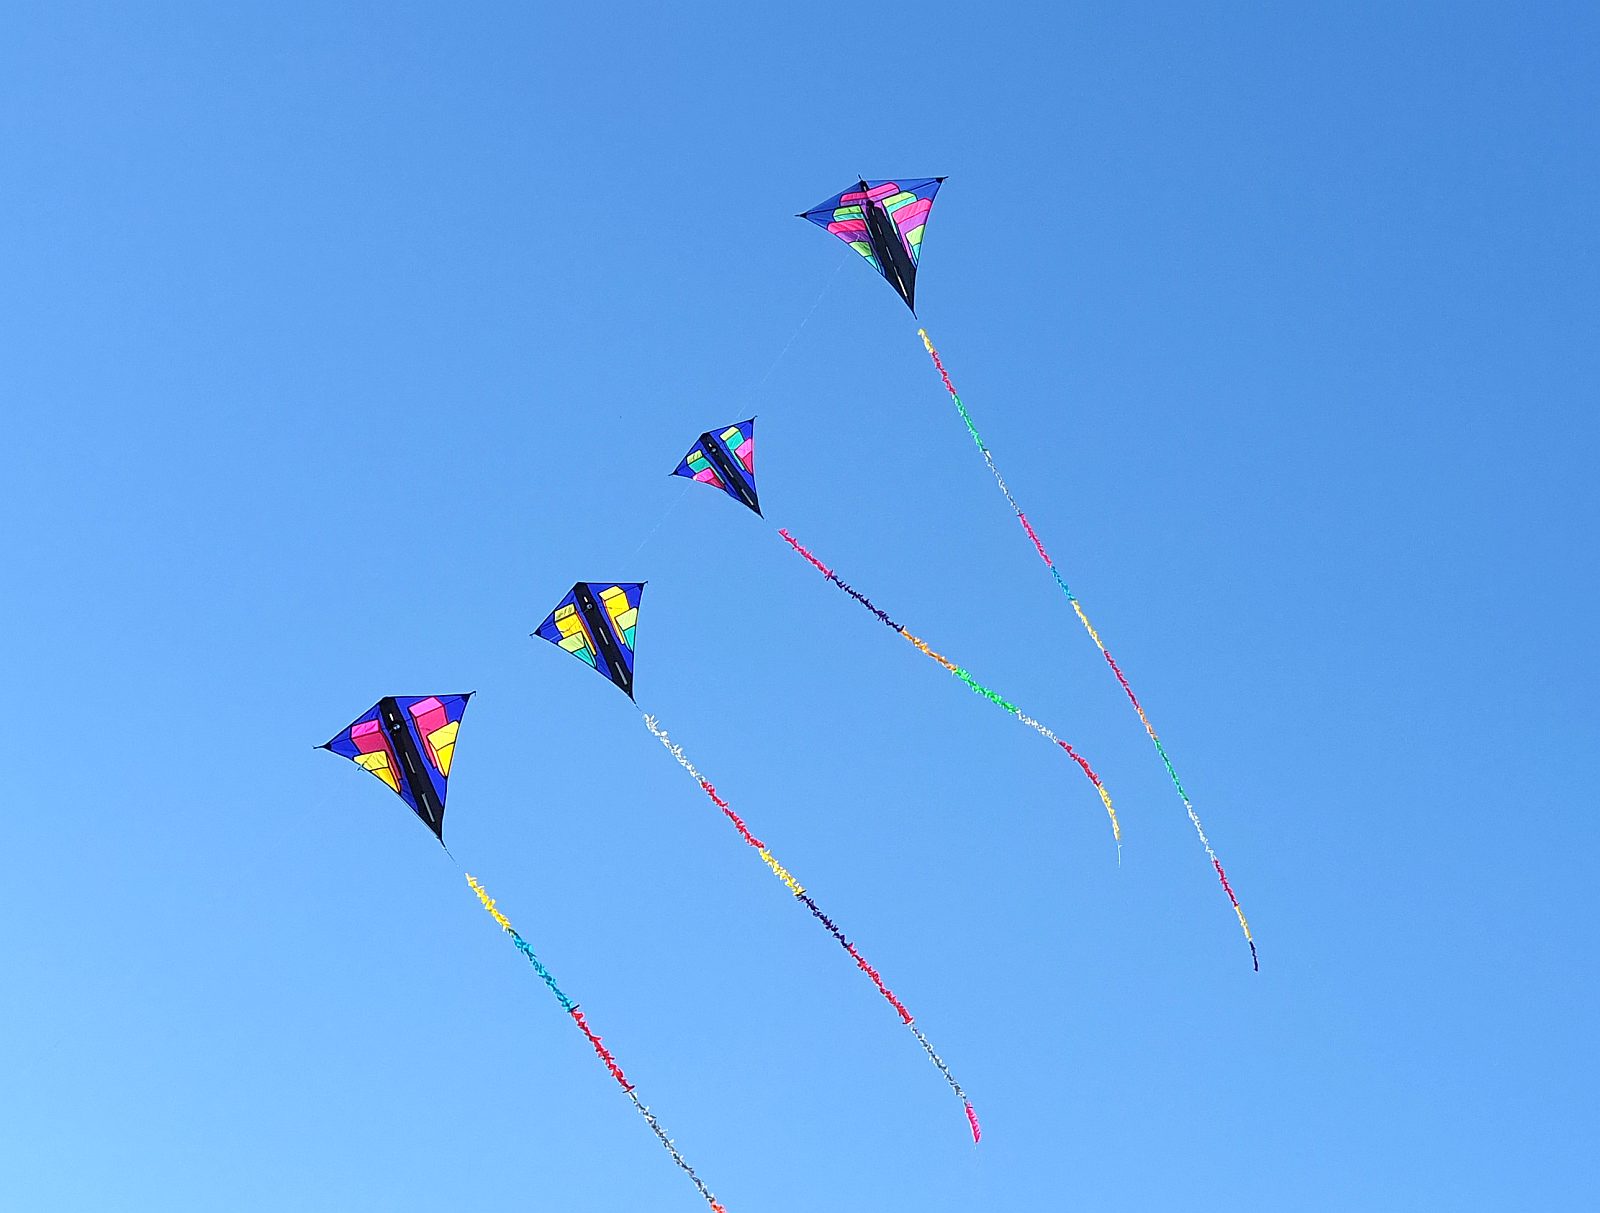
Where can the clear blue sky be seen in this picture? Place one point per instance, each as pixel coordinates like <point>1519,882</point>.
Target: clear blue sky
<point>337,341</point>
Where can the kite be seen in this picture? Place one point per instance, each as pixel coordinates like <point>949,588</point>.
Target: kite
<point>724,459</point>
<point>597,623</point>
<point>885,221</point>
<point>408,742</point>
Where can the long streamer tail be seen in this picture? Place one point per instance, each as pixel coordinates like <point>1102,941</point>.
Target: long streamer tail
<point>994,697</point>
<point>1077,607</point>
<point>603,1053</point>
<point>795,887</point>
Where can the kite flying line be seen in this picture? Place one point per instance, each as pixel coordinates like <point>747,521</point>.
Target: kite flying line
<point>804,898</point>
<point>597,623</point>
<point>600,1050</point>
<point>1077,607</point>
<point>816,303</point>
<point>725,459</point>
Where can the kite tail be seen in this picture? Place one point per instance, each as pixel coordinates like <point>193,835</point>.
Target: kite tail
<point>603,1053</point>
<point>1077,608</point>
<point>972,684</point>
<point>805,899</point>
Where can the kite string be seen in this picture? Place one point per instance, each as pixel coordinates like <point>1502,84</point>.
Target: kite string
<point>816,303</point>
<point>1077,608</point>
<point>660,522</point>
<point>994,697</point>
<point>805,899</point>
<point>605,1055</point>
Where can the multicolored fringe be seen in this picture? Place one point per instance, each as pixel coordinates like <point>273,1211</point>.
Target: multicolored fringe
<point>603,1053</point>
<point>804,898</point>
<point>1077,608</point>
<point>994,697</point>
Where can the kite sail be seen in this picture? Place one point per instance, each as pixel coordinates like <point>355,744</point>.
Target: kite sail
<point>595,623</point>
<point>731,450</point>
<point>726,460</point>
<point>616,626</point>
<point>408,742</point>
<point>1077,607</point>
<point>884,221</point>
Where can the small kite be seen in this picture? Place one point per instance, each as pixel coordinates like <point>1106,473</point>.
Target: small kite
<point>724,459</point>
<point>408,741</point>
<point>597,622</point>
<point>884,221</point>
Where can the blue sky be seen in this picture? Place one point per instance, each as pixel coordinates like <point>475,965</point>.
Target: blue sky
<point>337,341</point>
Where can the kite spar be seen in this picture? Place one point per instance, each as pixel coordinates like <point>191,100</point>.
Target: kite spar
<point>725,459</point>
<point>597,623</point>
<point>885,222</point>
<point>408,742</point>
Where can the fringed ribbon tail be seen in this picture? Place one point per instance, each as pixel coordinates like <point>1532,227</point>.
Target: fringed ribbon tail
<point>1061,582</point>
<point>800,894</point>
<point>966,678</point>
<point>595,1043</point>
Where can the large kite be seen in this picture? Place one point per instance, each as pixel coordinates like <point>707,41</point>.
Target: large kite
<point>884,221</point>
<point>597,623</point>
<point>408,742</point>
<point>724,458</point>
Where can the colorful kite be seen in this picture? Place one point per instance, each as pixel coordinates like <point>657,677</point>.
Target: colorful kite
<point>884,221</point>
<point>596,622</point>
<point>408,742</point>
<point>725,459</point>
